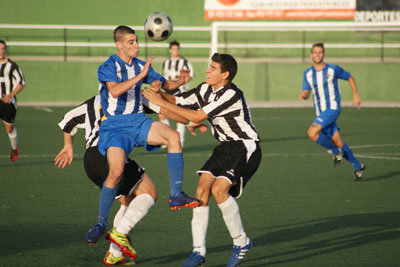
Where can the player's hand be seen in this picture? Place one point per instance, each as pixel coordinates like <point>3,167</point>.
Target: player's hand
<point>153,96</point>
<point>357,101</point>
<point>156,86</point>
<point>63,158</point>
<point>6,99</point>
<point>184,76</point>
<point>146,67</point>
<point>303,95</point>
<point>199,126</point>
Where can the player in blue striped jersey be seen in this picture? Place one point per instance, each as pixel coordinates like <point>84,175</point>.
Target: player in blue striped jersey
<point>127,126</point>
<point>322,80</point>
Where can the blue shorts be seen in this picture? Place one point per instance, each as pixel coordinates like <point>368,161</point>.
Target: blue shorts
<point>327,119</point>
<point>126,132</point>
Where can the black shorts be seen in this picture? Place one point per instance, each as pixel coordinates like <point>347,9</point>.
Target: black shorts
<point>235,161</point>
<point>96,168</point>
<point>7,112</point>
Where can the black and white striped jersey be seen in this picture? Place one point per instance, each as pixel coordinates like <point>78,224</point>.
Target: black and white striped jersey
<point>88,116</point>
<point>171,69</point>
<point>85,116</point>
<point>10,76</point>
<point>227,110</point>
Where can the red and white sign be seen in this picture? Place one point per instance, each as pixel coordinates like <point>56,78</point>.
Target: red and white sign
<point>279,9</point>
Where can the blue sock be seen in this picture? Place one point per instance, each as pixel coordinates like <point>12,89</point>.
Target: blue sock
<point>348,154</point>
<point>107,197</point>
<point>324,141</point>
<point>175,169</point>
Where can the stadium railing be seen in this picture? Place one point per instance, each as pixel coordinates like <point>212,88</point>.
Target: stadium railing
<point>245,43</point>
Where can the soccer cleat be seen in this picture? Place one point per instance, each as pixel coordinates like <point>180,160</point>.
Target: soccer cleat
<point>14,154</point>
<point>182,201</point>
<point>238,254</point>
<point>94,234</point>
<point>110,259</point>
<point>123,242</point>
<point>194,260</point>
<point>359,173</point>
<point>337,158</point>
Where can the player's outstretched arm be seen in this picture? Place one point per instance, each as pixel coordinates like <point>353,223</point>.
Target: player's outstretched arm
<point>356,98</point>
<point>116,89</point>
<point>66,155</point>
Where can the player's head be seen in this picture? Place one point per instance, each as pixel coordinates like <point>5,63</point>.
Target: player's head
<point>126,41</point>
<point>3,48</point>
<point>222,69</point>
<point>174,47</point>
<point>317,53</point>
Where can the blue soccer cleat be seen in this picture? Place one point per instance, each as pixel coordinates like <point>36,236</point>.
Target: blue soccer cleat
<point>359,173</point>
<point>194,260</point>
<point>238,254</point>
<point>94,234</point>
<point>182,201</point>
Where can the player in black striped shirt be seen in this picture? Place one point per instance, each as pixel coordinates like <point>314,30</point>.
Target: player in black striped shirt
<point>11,83</point>
<point>136,191</point>
<point>234,160</point>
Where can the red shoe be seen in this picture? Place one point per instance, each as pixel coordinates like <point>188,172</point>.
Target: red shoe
<point>14,155</point>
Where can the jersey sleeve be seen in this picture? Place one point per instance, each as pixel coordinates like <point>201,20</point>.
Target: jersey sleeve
<point>306,85</point>
<point>341,73</point>
<point>188,99</point>
<point>223,103</point>
<point>107,73</point>
<point>74,119</point>
<point>18,76</point>
<point>153,76</point>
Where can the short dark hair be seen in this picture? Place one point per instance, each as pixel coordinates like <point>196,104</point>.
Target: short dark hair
<point>318,45</point>
<point>171,44</point>
<point>121,31</point>
<point>4,43</point>
<point>227,63</point>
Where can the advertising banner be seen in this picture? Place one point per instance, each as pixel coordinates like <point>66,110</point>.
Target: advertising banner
<point>279,9</point>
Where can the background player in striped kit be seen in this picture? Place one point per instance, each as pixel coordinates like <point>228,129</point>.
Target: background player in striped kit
<point>171,70</point>
<point>322,80</point>
<point>136,192</point>
<point>233,162</point>
<point>11,83</point>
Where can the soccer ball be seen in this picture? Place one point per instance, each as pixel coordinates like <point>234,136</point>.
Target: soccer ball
<point>158,26</point>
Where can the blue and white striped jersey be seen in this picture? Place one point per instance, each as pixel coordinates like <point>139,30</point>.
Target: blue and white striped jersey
<point>116,70</point>
<point>324,86</point>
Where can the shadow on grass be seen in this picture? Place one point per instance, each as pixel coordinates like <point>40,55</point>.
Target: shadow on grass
<point>381,177</point>
<point>374,227</point>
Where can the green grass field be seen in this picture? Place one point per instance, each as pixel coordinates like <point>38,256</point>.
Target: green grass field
<point>298,209</point>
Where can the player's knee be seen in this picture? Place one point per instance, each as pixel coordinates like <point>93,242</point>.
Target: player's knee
<point>312,134</point>
<point>174,139</point>
<point>114,176</point>
<point>219,193</point>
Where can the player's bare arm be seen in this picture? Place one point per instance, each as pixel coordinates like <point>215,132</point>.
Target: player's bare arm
<point>66,155</point>
<point>116,89</point>
<point>191,115</point>
<point>356,98</point>
<point>7,98</point>
<point>304,95</point>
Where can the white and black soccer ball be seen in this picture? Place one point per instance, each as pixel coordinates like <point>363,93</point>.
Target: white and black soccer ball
<point>158,26</point>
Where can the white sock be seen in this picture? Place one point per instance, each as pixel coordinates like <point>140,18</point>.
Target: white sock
<point>114,249</point>
<point>13,138</point>
<point>199,229</point>
<point>165,121</point>
<point>137,209</point>
<point>181,130</point>
<point>233,221</point>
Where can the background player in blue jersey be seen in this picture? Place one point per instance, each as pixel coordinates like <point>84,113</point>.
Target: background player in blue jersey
<point>127,126</point>
<point>322,80</point>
